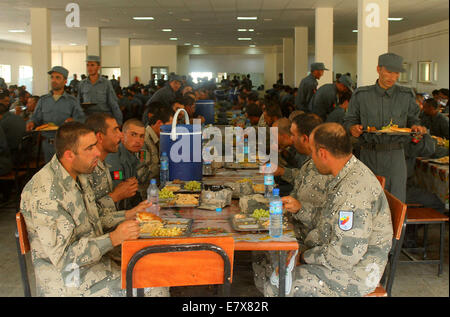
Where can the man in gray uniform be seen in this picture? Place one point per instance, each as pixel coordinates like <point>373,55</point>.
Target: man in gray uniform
<point>167,94</point>
<point>99,91</point>
<point>377,106</point>
<point>5,157</point>
<point>74,83</point>
<point>433,120</point>
<point>328,96</point>
<point>308,87</point>
<point>14,128</point>
<point>56,107</point>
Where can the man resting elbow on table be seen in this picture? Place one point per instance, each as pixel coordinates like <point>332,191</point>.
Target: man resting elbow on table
<point>69,246</point>
<point>347,250</point>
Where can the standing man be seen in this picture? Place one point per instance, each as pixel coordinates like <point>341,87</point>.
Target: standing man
<point>308,87</point>
<point>328,96</point>
<point>56,107</point>
<point>99,91</point>
<point>167,94</point>
<point>74,83</point>
<point>124,163</point>
<point>377,106</point>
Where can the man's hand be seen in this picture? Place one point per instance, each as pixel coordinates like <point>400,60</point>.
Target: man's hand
<point>127,230</point>
<point>30,126</point>
<point>125,189</point>
<point>291,204</point>
<point>131,214</point>
<point>420,129</point>
<point>356,130</point>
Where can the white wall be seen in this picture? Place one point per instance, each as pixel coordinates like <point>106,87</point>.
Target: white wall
<point>15,55</point>
<point>428,43</point>
<point>227,63</point>
<point>73,58</point>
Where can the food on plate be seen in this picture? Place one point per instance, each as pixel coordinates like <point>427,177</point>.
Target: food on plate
<point>260,213</point>
<point>47,126</point>
<point>149,222</point>
<point>172,188</point>
<point>397,129</point>
<point>184,199</point>
<point>147,216</point>
<point>240,216</point>
<point>443,160</point>
<point>389,126</point>
<point>167,232</point>
<point>166,193</point>
<point>371,129</point>
<point>441,141</point>
<point>177,181</point>
<point>193,185</point>
<point>209,230</point>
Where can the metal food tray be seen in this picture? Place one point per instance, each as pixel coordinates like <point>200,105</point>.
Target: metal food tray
<point>235,225</point>
<point>251,165</point>
<point>172,222</point>
<point>182,190</point>
<point>163,202</point>
<point>380,132</point>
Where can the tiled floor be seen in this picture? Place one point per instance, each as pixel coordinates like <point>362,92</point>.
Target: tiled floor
<point>411,280</point>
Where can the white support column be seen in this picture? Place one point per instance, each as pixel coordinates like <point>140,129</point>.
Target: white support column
<point>288,61</point>
<point>301,54</point>
<point>125,73</point>
<point>324,42</point>
<point>373,38</point>
<point>41,49</point>
<point>94,41</point>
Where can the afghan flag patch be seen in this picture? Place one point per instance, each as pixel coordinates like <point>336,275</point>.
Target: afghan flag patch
<point>117,175</point>
<point>142,156</point>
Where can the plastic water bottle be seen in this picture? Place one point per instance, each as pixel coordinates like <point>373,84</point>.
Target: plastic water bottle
<point>153,197</point>
<point>164,170</point>
<point>245,146</point>
<point>268,182</point>
<point>276,214</point>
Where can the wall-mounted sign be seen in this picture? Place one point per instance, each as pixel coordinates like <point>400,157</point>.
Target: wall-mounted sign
<point>73,18</point>
<point>373,15</point>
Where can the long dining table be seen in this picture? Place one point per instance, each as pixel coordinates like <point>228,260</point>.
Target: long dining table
<point>212,223</point>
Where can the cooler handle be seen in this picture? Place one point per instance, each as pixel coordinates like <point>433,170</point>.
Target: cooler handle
<point>173,133</point>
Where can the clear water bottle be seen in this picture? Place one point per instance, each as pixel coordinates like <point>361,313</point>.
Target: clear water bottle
<point>268,182</point>
<point>164,170</point>
<point>207,168</point>
<point>276,214</point>
<point>153,197</point>
<point>245,146</point>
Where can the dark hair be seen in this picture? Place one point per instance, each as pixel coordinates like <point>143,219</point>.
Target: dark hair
<point>272,108</point>
<point>68,135</point>
<point>132,121</point>
<point>3,108</point>
<point>3,95</point>
<point>155,106</point>
<point>444,91</point>
<point>187,101</point>
<point>97,122</point>
<point>435,92</point>
<point>252,97</point>
<point>36,98</point>
<point>333,137</point>
<point>306,122</point>
<point>253,110</point>
<point>162,114</point>
<point>347,95</point>
<point>431,102</point>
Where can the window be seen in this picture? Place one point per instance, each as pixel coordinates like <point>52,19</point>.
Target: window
<point>110,71</point>
<point>159,72</point>
<point>26,77</point>
<point>5,73</point>
<point>200,76</point>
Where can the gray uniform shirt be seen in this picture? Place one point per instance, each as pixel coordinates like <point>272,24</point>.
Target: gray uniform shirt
<point>165,95</point>
<point>324,100</point>
<point>306,90</point>
<point>14,128</point>
<point>101,93</point>
<point>438,125</point>
<point>5,158</point>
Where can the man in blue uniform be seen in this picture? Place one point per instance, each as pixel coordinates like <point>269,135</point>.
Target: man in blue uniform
<point>308,87</point>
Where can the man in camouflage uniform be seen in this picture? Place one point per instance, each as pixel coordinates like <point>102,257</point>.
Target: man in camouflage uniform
<point>68,245</point>
<point>148,167</point>
<point>347,250</point>
<point>377,106</point>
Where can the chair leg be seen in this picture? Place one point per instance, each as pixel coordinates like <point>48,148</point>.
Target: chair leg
<point>398,248</point>
<point>441,249</point>
<point>425,240</point>
<point>23,269</point>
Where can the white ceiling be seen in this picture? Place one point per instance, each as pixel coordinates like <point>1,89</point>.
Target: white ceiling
<point>212,22</point>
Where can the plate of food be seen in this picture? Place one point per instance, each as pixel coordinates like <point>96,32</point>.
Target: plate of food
<point>257,221</point>
<point>180,200</point>
<point>443,160</point>
<point>391,128</point>
<point>208,230</point>
<point>179,186</point>
<point>47,127</point>
<point>441,141</point>
<point>259,188</point>
<point>152,226</point>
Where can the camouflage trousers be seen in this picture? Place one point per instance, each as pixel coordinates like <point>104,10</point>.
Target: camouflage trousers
<point>304,283</point>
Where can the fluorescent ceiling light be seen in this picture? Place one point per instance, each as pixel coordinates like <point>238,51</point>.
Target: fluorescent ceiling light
<point>395,19</point>
<point>166,30</point>
<point>244,38</point>
<point>196,45</point>
<point>173,39</point>
<point>143,18</point>
<point>186,20</point>
<point>187,44</point>
<point>73,44</point>
<point>242,30</point>
<point>247,18</point>
<point>251,30</point>
<point>16,31</point>
<point>252,45</point>
<point>355,31</point>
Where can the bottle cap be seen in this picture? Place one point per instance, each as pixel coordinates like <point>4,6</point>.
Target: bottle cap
<point>153,181</point>
<point>276,191</point>
<point>164,154</point>
<point>219,209</point>
<point>268,165</point>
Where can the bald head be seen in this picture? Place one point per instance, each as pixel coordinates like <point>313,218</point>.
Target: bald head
<point>332,137</point>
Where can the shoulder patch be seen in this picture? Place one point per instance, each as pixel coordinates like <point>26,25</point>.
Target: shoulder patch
<point>345,220</point>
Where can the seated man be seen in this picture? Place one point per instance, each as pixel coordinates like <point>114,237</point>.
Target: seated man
<point>108,136</point>
<point>253,113</point>
<point>433,120</point>
<point>66,236</point>
<point>347,250</point>
<point>123,164</point>
<point>14,128</point>
<point>338,114</point>
<point>148,167</point>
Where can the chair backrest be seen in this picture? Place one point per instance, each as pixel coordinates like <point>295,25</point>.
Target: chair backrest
<point>398,214</point>
<point>177,262</point>
<point>23,234</point>
<point>382,180</point>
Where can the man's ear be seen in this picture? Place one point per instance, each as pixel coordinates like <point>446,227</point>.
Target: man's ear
<point>69,155</point>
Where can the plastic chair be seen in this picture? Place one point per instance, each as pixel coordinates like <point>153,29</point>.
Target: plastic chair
<point>382,180</point>
<point>23,247</point>
<point>177,262</point>
<point>398,215</point>
<point>426,216</point>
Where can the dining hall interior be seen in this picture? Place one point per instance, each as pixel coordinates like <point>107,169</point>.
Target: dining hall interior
<point>367,78</point>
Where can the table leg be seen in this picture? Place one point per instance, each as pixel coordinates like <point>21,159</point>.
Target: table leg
<point>282,273</point>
